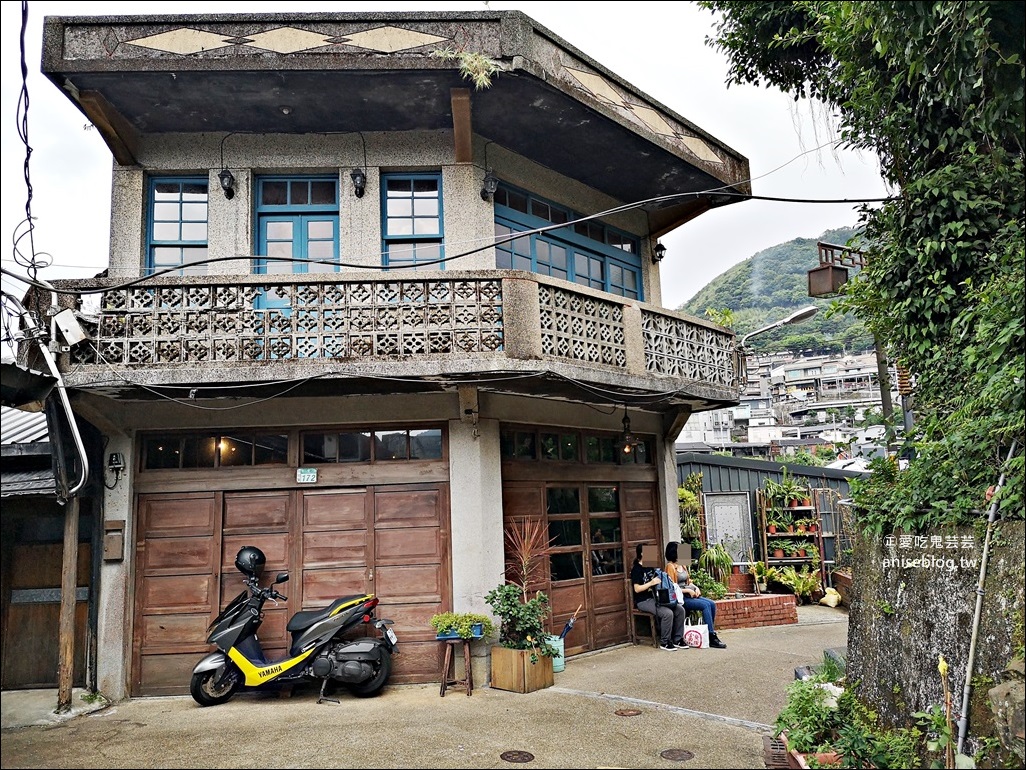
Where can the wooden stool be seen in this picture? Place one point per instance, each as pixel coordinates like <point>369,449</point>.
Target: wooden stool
<point>450,664</point>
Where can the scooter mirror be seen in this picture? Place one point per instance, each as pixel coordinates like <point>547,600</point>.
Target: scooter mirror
<point>283,577</point>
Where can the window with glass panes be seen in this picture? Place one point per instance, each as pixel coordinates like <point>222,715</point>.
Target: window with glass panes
<point>412,220</point>
<point>297,224</point>
<point>177,226</point>
<point>588,253</point>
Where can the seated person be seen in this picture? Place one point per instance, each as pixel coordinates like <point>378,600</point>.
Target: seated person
<point>671,619</point>
<point>692,594</point>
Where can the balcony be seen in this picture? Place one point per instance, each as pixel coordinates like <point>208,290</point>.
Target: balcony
<point>351,332</point>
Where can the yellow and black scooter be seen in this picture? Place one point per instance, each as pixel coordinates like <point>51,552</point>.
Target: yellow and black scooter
<point>318,650</point>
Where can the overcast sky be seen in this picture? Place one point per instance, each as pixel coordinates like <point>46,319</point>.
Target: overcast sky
<point>658,47</point>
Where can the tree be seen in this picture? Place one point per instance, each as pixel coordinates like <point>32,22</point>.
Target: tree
<point>936,91</point>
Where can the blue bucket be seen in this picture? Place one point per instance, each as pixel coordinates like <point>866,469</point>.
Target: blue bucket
<point>558,662</point>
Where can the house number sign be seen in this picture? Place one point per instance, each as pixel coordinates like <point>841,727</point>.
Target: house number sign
<point>306,475</point>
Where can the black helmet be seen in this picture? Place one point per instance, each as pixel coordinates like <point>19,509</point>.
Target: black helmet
<point>250,561</point>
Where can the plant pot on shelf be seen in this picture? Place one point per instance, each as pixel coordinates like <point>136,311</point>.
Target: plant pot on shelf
<point>513,671</point>
<point>771,528</point>
<point>778,553</point>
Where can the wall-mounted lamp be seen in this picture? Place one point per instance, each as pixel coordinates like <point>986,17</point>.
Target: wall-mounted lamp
<point>658,252</point>
<point>115,465</point>
<point>628,441</point>
<point>489,185</point>
<point>359,181</point>
<point>227,179</point>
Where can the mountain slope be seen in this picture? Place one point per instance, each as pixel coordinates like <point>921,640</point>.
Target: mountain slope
<point>773,283</point>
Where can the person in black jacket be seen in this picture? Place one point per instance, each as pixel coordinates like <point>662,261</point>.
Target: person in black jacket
<point>670,618</point>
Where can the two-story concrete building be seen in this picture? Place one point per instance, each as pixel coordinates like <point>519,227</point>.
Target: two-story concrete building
<point>360,313</point>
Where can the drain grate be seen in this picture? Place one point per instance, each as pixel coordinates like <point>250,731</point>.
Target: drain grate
<point>677,755</point>
<point>774,753</point>
<point>517,756</point>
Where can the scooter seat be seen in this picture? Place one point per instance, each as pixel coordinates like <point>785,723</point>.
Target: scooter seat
<point>303,620</point>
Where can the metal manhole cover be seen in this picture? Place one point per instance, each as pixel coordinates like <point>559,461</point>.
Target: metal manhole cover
<point>517,756</point>
<point>627,713</point>
<point>677,755</point>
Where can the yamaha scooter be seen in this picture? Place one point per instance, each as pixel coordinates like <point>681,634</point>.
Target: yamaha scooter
<point>318,650</point>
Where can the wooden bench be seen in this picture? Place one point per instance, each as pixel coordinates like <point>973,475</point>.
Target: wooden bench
<point>635,613</point>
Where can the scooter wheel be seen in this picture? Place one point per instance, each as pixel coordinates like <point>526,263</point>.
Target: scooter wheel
<point>204,691</point>
<point>373,686</point>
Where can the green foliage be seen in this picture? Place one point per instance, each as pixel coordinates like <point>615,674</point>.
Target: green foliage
<point>808,720</point>
<point>461,623</point>
<point>771,285</point>
<point>523,622</point>
<point>717,561</point>
<point>711,588</point>
<point>935,90</point>
<point>802,584</point>
<point>689,505</point>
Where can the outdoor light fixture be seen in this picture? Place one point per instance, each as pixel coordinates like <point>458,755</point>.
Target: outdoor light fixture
<point>359,181</point>
<point>658,252</point>
<point>227,183</point>
<point>804,314</point>
<point>489,185</point>
<point>628,441</point>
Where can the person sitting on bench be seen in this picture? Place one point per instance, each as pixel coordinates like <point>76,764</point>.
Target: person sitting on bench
<point>692,598</point>
<point>671,618</point>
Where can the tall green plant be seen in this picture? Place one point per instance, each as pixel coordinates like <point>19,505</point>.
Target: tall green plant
<point>935,90</point>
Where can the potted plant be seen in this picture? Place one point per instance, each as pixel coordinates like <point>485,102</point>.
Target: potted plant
<point>462,625</point>
<point>717,561</point>
<point>763,575</point>
<point>522,660</point>
<point>689,508</point>
<point>795,492</point>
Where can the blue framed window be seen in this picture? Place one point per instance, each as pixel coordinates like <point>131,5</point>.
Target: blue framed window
<point>588,253</point>
<point>297,221</point>
<point>177,225</point>
<point>411,206</point>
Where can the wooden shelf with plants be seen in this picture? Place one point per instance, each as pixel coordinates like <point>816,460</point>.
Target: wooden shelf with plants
<point>790,525</point>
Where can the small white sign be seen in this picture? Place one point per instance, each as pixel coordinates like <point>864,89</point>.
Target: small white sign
<point>306,475</point>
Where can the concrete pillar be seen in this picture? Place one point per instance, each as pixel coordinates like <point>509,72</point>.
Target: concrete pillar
<point>475,485</point>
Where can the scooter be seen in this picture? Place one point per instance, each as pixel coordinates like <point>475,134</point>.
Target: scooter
<point>318,650</point>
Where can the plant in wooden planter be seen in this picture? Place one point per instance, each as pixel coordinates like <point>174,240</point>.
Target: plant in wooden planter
<point>462,625</point>
<point>522,661</point>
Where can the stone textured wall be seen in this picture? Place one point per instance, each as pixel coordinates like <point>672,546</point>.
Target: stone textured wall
<point>910,605</point>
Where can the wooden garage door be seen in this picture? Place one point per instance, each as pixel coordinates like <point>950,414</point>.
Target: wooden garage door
<point>392,541</point>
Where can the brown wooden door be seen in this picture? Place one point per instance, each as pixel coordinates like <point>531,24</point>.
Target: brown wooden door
<point>30,649</point>
<point>594,526</point>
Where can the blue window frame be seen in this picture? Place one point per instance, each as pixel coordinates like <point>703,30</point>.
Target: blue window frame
<point>588,253</point>
<point>177,225</point>
<point>297,219</point>
<point>412,227</point>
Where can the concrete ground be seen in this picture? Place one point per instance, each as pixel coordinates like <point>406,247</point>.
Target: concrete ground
<point>714,704</point>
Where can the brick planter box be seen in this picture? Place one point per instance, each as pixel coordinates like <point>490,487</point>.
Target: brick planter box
<point>753,611</point>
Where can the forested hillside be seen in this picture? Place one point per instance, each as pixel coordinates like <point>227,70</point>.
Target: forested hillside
<point>769,286</point>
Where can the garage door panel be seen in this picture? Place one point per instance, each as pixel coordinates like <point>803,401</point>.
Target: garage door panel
<point>255,512</point>
<point>335,510</point>
<point>406,507</point>
<point>323,586</point>
<point>418,583</point>
<point>188,514</point>
<point>166,632</point>
<point>410,544</point>
<point>275,546</point>
<point>335,549</point>
<point>166,674</point>
<point>177,593</point>
<point>179,555</point>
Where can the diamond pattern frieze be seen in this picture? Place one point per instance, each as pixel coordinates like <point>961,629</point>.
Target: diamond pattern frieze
<point>184,41</point>
<point>389,39</point>
<point>288,40</point>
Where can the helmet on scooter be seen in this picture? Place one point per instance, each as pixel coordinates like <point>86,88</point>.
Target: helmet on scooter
<point>250,561</point>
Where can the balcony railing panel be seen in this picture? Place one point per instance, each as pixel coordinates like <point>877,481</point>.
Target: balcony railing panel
<point>438,322</point>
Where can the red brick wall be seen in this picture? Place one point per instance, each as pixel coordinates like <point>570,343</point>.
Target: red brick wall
<point>752,611</point>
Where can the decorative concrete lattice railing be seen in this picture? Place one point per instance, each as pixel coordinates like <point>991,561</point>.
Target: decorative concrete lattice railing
<point>218,320</point>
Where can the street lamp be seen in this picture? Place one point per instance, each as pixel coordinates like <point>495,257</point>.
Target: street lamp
<point>804,314</point>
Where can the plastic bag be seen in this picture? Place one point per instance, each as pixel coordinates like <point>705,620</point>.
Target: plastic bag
<point>831,598</point>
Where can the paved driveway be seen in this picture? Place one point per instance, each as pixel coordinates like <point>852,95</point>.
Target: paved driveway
<point>714,704</point>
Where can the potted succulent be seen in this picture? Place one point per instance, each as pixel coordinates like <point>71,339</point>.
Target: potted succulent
<point>522,660</point>
<point>462,625</point>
